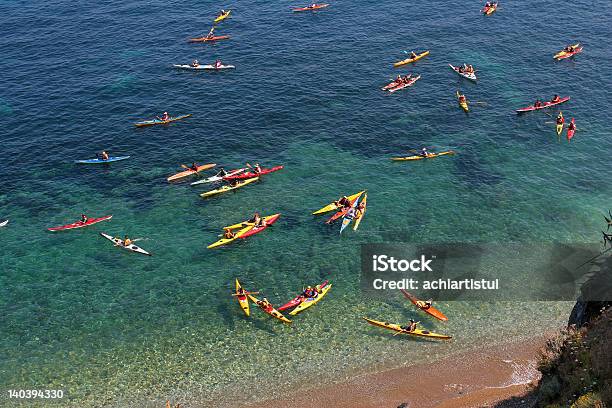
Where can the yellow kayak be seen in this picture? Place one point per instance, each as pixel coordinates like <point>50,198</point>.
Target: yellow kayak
<point>358,219</point>
<point>242,300</point>
<point>563,52</point>
<point>227,188</point>
<point>417,157</point>
<point>333,206</point>
<point>464,105</point>
<point>398,328</point>
<point>411,59</point>
<point>306,303</point>
<point>225,241</point>
<point>269,310</point>
<point>223,16</point>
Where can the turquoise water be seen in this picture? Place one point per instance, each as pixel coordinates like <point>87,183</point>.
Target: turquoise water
<point>112,328</point>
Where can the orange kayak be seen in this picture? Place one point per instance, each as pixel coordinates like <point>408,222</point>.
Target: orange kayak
<point>421,305</point>
<point>189,172</point>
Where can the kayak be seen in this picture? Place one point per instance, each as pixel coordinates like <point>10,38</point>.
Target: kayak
<point>565,54</point>
<point>269,310</point>
<point>394,83</point>
<point>430,310</point>
<point>252,174</point>
<point>243,301</point>
<point>409,60</point>
<point>80,224</point>
<point>418,157</point>
<point>160,122</point>
<point>490,10</point>
<point>560,125</point>
<point>464,105</point>
<point>227,188</point>
<point>100,161</point>
<point>247,223</point>
<point>306,303</point>
<point>189,172</point>
<point>203,67</point>
<point>570,133</point>
<point>333,206</point>
<point>297,300</point>
<point>468,75</point>
<point>405,84</point>
<point>222,17</point>
<point>218,177</point>
<point>398,328</point>
<point>210,39</point>
<point>342,212</point>
<point>271,219</point>
<point>119,242</point>
<point>226,241</point>
<point>544,105</point>
<point>315,7</point>
<point>3,223</point>
<point>360,217</point>
<point>348,218</point>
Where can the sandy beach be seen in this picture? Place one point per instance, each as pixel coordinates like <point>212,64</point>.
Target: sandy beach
<point>480,378</point>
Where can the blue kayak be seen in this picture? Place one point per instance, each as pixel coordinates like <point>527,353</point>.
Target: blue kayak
<point>100,161</point>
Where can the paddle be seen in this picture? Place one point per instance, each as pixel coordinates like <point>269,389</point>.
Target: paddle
<point>245,293</point>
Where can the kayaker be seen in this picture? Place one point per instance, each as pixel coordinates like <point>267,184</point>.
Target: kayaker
<point>560,119</point>
<point>410,327</point>
<point>256,219</point>
<point>537,104</point>
<point>257,168</point>
<point>84,218</point>
<point>211,32</point>
<point>265,304</point>
<point>104,155</point>
<point>462,99</point>
<point>571,126</point>
<point>413,55</point>
<point>222,172</point>
<point>228,234</point>
<point>310,292</point>
<point>127,241</point>
<point>424,152</point>
<point>343,202</point>
<point>569,48</point>
<point>195,63</point>
<point>218,64</point>
<point>194,166</point>
<point>555,99</point>
<point>164,117</point>
<point>470,69</point>
<point>359,210</point>
<point>425,304</point>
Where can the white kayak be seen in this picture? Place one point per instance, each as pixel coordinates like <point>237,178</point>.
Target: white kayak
<point>469,75</point>
<point>119,242</point>
<point>217,177</point>
<point>204,67</point>
<point>3,223</point>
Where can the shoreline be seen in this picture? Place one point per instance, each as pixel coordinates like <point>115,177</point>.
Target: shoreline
<point>472,379</point>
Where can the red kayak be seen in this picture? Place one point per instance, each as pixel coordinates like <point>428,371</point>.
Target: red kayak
<point>315,7</point>
<point>252,174</point>
<point>208,39</point>
<point>256,230</point>
<point>80,224</point>
<point>296,300</point>
<point>543,106</point>
<point>570,132</point>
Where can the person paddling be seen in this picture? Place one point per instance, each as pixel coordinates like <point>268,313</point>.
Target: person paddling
<point>424,152</point>
<point>211,33</point>
<point>343,202</point>
<point>103,155</point>
<point>310,292</point>
<point>424,304</point>
<point>256,219</point>
<point>556,99</point>
<point>164,117</point>
<point>410,327</point>
<point>195,63</point>
<point>560,119</point>
<point>194,167</point>
<point>571,126</point>
<point>413,55</point>
<point>127,241</point>
<point>218,64</point>
<point>228,234</point>
<point>84,218</point>
<point>537,104</point>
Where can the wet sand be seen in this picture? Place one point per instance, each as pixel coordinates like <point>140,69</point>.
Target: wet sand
<point>479,378</point>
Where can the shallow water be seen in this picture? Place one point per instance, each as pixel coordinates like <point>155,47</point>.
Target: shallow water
<point>111,327</point>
